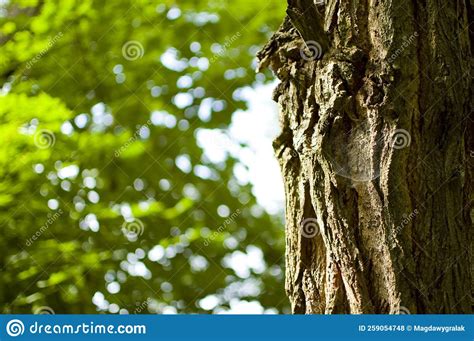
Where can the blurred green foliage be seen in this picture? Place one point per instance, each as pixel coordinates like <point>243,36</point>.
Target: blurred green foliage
<point>107,201</point>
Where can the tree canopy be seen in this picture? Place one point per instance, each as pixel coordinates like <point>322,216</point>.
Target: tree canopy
<point>108,202</point>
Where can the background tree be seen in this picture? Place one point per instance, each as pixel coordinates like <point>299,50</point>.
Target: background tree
<point>376,103</point>
<point>107,200</point>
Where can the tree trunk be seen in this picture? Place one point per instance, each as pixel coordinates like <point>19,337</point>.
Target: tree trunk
<point>376,154</point>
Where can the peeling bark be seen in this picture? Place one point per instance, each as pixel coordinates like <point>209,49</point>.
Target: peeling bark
<point>376,154</point>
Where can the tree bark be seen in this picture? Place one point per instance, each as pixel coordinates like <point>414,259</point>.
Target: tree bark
<point>376,154</point>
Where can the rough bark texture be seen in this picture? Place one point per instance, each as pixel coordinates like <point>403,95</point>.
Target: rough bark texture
<point>376,154</point>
